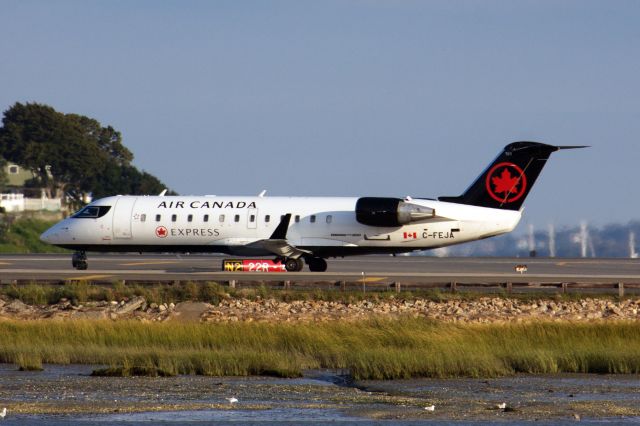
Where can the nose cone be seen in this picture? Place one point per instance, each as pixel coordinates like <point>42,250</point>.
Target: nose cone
<point>48,236</point>
<point>57,234</point>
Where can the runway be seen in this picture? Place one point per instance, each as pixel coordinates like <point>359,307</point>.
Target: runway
<point>405,269</point>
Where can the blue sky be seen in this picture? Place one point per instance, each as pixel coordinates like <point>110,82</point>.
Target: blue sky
<point>347,97</point>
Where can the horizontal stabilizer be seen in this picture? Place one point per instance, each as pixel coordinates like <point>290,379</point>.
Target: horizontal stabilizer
<point>573,146</point>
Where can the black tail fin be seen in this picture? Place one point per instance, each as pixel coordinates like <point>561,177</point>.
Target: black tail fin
<point>507,181</point>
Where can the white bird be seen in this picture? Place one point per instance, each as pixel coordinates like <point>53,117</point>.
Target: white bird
<point>502,405</point>
<point>232,400</point>
<point>430,408</point>
<point>3,413</point>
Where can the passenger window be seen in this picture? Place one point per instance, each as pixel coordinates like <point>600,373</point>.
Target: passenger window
<point>158,217</point>
<point>143,217</point>
<point>174,217</point>
<point>206,218</point>
<point>190,218</point>
<point>297,218</point>
<point>221,218</point>
<point>252,218</point>
<point>329,218</point>
<point>313,218</point>
<point>267,218</point>
<point>236,218</point>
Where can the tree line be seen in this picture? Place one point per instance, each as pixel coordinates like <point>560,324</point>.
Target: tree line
<point>70,154</point>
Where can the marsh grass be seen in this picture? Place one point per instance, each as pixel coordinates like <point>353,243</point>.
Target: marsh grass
<point>29,362</point>
<point>372,349</point>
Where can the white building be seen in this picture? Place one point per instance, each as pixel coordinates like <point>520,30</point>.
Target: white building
<point>13,200</point>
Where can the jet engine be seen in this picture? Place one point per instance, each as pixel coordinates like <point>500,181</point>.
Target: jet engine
<point>379,211</point>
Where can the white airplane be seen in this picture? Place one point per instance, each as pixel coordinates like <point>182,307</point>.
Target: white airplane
<point>294,230</point>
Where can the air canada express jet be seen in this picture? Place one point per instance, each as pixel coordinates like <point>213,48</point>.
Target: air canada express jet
<point>295,230</point>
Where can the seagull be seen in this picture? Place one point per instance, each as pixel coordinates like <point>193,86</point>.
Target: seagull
<point>502,405</point>
<point>3,413</point>
<point>232,400</point>
<point>430,408</point>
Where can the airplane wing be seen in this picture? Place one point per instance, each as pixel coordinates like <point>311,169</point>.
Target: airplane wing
<point>278,244</point>
<point>280,248</point>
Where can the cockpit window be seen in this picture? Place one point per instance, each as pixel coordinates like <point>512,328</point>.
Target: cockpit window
<point>92,212</point>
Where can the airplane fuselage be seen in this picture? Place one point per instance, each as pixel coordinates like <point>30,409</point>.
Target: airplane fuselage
<point>326,226</point>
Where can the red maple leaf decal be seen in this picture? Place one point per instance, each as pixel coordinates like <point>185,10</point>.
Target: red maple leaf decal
<point>161,231</point>
<point>505,183</point>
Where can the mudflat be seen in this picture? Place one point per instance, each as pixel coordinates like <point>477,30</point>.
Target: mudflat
<point>68,394</point>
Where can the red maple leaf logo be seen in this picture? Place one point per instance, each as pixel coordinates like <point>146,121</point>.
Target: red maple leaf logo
<point>161,231</point>
<point>505,183</point>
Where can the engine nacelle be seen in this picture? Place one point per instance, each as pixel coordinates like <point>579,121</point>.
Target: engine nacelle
<point>380,211</point>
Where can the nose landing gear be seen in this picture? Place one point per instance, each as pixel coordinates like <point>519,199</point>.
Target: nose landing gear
<point>79,260</point>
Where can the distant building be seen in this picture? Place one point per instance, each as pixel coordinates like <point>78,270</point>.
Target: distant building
<point>17,198</point>
<point>17,176</point>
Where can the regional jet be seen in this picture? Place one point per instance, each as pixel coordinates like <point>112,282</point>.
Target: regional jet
<point>298,230</point>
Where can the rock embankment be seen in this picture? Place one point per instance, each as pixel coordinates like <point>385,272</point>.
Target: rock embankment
<point>482,310</point>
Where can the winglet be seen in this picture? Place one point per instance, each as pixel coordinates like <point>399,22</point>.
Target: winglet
<point>281,231</point>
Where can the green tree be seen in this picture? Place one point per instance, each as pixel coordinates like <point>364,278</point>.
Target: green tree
<point>4,179</point>
<point>71,154</point>
<point>107,139</point>
<point>126,180</point>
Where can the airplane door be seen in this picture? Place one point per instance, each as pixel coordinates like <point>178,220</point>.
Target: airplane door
<point>123,211</point>
<point>252,218</point>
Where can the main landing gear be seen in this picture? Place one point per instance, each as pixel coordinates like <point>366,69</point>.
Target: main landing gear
<point>79,260</point>
<point>316,264</point>
<point>294,265</point>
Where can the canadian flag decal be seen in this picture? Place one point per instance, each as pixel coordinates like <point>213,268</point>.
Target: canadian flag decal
<point>410,235</point>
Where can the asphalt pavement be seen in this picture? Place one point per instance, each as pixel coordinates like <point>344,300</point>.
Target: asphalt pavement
<point>407,269</point>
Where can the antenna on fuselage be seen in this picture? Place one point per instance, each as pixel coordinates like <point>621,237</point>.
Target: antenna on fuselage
<point>162,193</point>
<point>264,191</point>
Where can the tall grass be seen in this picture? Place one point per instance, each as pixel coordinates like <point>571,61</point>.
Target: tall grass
<point>372,349</point>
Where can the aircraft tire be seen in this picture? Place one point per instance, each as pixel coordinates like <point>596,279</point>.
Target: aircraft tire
<point>79,260</point>
<point>317,264</point>
<point>293,265</point>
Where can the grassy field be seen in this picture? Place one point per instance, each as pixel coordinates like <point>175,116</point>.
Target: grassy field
<point>23,236</point>
<point>372,349</point>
